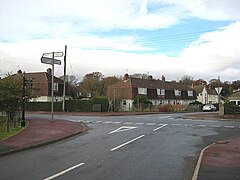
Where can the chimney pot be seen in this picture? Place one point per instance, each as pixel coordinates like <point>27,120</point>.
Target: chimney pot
<point>49,71</point>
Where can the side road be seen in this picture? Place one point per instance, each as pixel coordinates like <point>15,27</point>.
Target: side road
<point>38,133</point>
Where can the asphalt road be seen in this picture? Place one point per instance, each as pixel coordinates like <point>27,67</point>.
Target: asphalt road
<point>122,147</point>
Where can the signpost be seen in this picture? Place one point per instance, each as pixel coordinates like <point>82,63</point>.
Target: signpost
<point>48,58</point>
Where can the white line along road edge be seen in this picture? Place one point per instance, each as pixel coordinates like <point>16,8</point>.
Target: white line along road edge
<point>161,126</point>
<point>124,144</point>
<point>63,172</point>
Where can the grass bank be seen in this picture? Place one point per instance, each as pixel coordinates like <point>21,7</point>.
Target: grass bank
<point>12,129</point>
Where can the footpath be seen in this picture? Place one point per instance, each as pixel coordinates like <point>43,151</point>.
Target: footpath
<point>219,161</point>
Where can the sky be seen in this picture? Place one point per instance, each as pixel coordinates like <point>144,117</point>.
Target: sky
<point>174,38</point>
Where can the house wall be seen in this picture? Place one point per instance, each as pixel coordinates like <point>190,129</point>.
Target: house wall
<point>48,99</point>
<point>126,104</point>
<point>206,98</point>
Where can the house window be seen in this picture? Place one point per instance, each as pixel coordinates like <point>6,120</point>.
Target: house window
<point>124,102</point>
<point>55,86</point>
<point>177,92</point>
<point>190,93</point>
<point>142,91</point>
<point>160,92</point>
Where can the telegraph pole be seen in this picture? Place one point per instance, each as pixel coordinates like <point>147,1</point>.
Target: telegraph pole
<point>23,100</point>
<point>64,79</point>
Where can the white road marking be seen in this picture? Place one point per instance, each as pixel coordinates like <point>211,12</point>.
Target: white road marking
<point>63,172</point>
<point>217,126</point>
<point>126,143</point>
<point>122,129</point>
<point>98,121</point>
<point>151,124</point>
<point>201,125</point>
<point>128,123</point>
<point>117,122</point>
<point>188,125</point>
<point>176,124</point>
<point>161,126</point>
<point>229,126</point>
<point>107,122</point>
<point>139,123</point>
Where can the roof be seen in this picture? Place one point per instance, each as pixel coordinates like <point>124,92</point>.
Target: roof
<point>152,84</point>
<point>234,96</point>
<point>40,76</point>
<point>199,89</point>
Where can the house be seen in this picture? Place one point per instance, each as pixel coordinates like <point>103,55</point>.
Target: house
<point>156,91</point>
<point>206,95</point>
<point>234,97</point>
<point>42,83</point>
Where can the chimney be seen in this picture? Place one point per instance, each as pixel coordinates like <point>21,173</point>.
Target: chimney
<point>19,71</point>
<point>126,77</point>
<point>163,78</point>
<point>49,71</point>
<point>150,77</point>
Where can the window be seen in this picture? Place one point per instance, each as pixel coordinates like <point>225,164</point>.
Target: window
<point>177,92</point>
<point>124,102</point>
<point>160,92</point>
<point>55,86</point>
<point>190,93</point>
<point>142,91</point>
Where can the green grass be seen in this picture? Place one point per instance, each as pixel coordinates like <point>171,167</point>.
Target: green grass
<point>12,130</point>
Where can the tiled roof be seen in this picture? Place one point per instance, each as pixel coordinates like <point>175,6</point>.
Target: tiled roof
<point>40,76</point>
<point>154,84</point>
<point>198,89</point>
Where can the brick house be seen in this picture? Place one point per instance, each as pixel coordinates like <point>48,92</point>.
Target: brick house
<point>42,83</point>
<point>157,91</point>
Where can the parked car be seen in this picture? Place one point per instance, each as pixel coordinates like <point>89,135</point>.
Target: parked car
<point>209,107</point>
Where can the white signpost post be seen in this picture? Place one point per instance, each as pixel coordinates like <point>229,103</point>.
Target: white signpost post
<point>48,58</point>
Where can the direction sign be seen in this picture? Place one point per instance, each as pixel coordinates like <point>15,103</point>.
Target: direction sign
<point>50,55</point>
<point>51,61</point>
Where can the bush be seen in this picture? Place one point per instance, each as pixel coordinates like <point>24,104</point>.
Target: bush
<point>77,105</point>
<point>103,101</point>
<point>165,108</point>
<point>43,106</point>
<point>230,108</point>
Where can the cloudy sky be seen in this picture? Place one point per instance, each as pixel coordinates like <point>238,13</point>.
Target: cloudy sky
<point>200,38</point>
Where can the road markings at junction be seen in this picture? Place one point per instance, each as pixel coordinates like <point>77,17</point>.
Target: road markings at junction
<point>139,123</point>
<point>229,126</point>
<point>151,124</point>
<point>126,143</point>
<point>161,126</point>
<point>201,125</point>
<point>122,129</point>
<point>64,171</point>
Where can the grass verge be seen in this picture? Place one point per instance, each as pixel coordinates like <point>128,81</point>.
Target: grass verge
<point>12,130</point>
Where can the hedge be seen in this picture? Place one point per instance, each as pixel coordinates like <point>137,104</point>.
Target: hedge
<point>230,108</point>
<point>75,105</point>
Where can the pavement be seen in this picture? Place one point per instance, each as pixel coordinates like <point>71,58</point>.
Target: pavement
<point>218,161</point>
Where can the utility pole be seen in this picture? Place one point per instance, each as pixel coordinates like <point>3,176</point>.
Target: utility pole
<point>52,85</point>
<point>23,100</point>
<point>64,79</point>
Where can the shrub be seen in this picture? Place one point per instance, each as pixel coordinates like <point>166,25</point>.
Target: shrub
<point>230,108</point>
<point>103,101</point>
